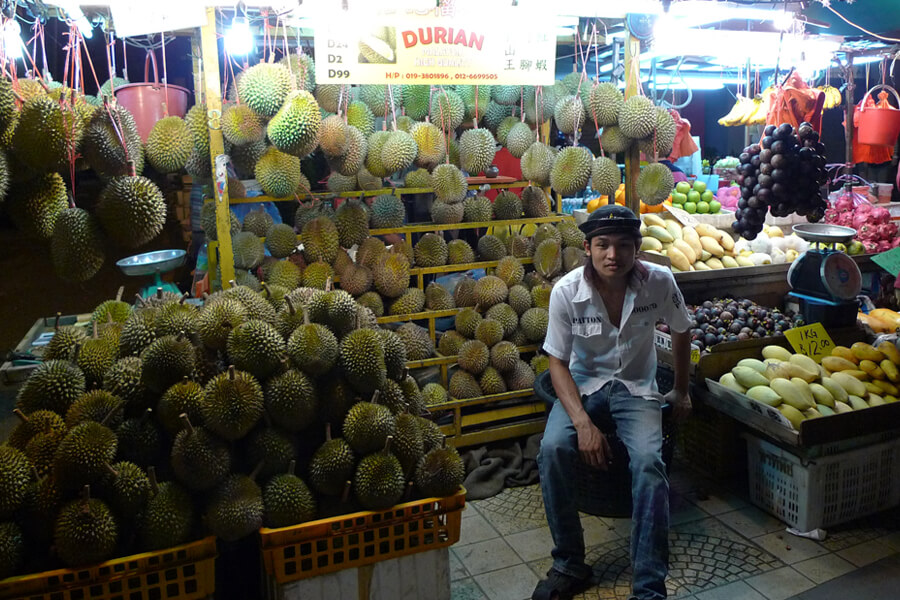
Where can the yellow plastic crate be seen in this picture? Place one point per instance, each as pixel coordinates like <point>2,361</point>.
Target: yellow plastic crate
<point>328,545</point>
<point>185,572</point>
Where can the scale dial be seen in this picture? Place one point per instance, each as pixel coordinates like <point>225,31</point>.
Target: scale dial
<point>841,276</point>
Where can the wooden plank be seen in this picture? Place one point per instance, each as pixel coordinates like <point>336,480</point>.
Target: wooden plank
<point>427,227</point>
<point>485,436</point>
<point>484,399</point>
<point>422,316</point>
<point>501,414</point>
<point>213,95</point>
<point>487,264</point>
<point>632,155</point>
<point>378,192</point>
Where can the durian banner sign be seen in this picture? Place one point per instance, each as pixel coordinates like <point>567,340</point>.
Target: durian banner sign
<point>436,47</point>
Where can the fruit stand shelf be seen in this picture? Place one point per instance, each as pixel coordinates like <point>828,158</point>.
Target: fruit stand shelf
<point>445,362</point>
<point>428,227</point>
<point>475,427</point>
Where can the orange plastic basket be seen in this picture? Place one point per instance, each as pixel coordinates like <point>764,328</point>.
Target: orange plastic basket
<point>328,545</point>
<point>184,572</point>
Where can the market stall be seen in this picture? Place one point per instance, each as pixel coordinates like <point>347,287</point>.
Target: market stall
<point>373,279</point>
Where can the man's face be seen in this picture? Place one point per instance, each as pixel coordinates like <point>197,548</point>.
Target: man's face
<point>612,254</point>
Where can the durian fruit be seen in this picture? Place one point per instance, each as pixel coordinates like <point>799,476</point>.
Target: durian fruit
<point>474,356</point>
<point>613,140</point>
<point>547,231</point>
<point>431,142</point>
<point>200,460</point>
<point>605,102</point>
<point>539,363</point>
<point>447,109</point>
<point>284,274</point>
<point>332,465</point>
<point>303,69</point>
<point>264,87</point>
<point>245,156</point>
<point>40,422</point>
<point>506,94</point>
<point>449,184</point>
<point>256,347</point>
<point>415,403</point>
<point>534,323</point>
<point>183,398</point>
<point>637,118</point>
<point>569,114</point>
<point>535,202</point>
<point>394,354</point>
<point>660,141</point>
<point>373,163</point>
<point>536,163</point>
<point>235,509</point>
<point>339,184</point>
<point>420,178</point>
<point>48,133</point>
<point>35,206</point>
<point>166,361</point>
<point>494,115</point>
<point>392,275</point>
<point>248,250</point>
<point>402,247</point>
<point>520,246</point>
<point>379,483</point>
<point>351,161</point>
<point>431,250</point>
<point>434,394</point>
<point>391,395</point>
<point>441,473</point>
<point>83,454</point>
<point>76,248</point>
<point>131,210</point>
<point>240,125</point>
<point>387,211</point>
<point>270,449</point>
<point>85,532</point>
<point>477,209</point>
<point>437,297</point>
<point>571,170</point>
<point>168,517</point>
<point>258,222</point>
<point>331,96</point>
<point>419,345</point>
<point>356,279</point>
<point>453,151</point>
<point>490,290</point>
<point>572,258</point>
<point>362,360</point>
<point>53,385</point>
<point>504,127</point>
<point>463,385</point>
<point>519,298</point>
<point>287,500</point>
<point>317,274</point>
<point>459,252</point>
<point>278,173</point>
<point>450,343</point>
<point>352,222</point>
<point>505,315</point>
<point>12,549</point>
<point>571,235</point>
<point>507,205</point>
<point>445,213</point>
<point>477,148</point>
<point>491,382</point>
<point>475,99</point>
<point>291,400</point>
<point>521,377</point>
<point>380,99</point>
<point>410,302</point>
<point>313,349</point>
<point>169,145</point>
<point>367,181</point>
<point>208,221</point>
<point>415,100</point>
<point>466,322</point>
<point>464,292</point>
<point>217,319</point>
<point>98,406</point>
<point>360,116</point>
<point>64,341</point>
<point>548,258</point>
<point>605,176</point>
<point>372,301</point>
<point>504,356</point>
<point>334,136</point>
<point>509,270</point>
<point>519,139</point>
<point>655,184</point>
<point>407,445</point>
<point>490,247</point>
<point>398,152</point>
<point>367,427</point>
<point>234,404</point>
<point>15,475</point>
<point>320,239</point>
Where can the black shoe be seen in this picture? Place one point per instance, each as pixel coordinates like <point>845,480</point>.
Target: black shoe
<point>559,586</point>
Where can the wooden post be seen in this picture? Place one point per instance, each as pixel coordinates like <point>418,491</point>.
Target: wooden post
<point>213,97</point>
<point>632,154</point>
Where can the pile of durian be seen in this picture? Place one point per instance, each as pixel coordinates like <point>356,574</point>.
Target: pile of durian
<point>163,422</point>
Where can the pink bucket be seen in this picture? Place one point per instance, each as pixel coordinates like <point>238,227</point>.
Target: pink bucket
<point>147,101</point>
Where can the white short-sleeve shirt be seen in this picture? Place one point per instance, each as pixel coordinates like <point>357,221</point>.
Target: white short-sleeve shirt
<point>581,333</point>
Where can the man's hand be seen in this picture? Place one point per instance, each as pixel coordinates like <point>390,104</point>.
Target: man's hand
<point>593,447</point>
<point>681,404</point>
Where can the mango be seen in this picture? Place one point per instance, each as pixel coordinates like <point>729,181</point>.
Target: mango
<point>674,228</point>
<point>660,233</point>
<point>812,413</point>
<point>705,229</point>
<point>845,353</point>
<point>864,351</point>
<point>890,351</point>
<point>651,243</point>
<point>729,262</point>
<point>890,368</point>
<point>857,403</point>
<point>730,382</point>
<point>850,384</point>
<point>653,219</point>
<point>872,369</point>
<point>842,407</point>
<point>825,411</point>
<point>836,363</point>
<point>792,414</point>
<point>743,261</point>
<point>726,241</point>
<point>678,259</point>
<point>778,352</point>
<point>764,394</point>
<point>861,375</point>
<point>821,394</point>
<point>871,388</point>
<point>685,249</point>
<point>886,387</point>
<point>715,263</point>
<point>875,400</point>
<point>704,255</point>
<point>748,377</point>
<point>803,386</point>
<point>712,246</point>
<point>835,389</point>
<point>890,398</point>
<point>701,266</point>
<point>753,363</point>
<point>791,393</point>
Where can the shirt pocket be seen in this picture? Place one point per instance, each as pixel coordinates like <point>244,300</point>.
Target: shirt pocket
<point>587,330</point>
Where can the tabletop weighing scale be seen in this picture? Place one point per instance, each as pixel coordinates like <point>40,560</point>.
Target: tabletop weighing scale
<point>154,263</point>
<point>825,281</point>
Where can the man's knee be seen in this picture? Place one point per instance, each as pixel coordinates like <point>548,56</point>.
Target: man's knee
<point>647,464</point>
<point>557,446</point>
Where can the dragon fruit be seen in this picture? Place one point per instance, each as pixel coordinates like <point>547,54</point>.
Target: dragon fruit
<point>871,247</point>
<point>881,215</point>
<point>887,230</point>
<point>860,220</point>
<point>883,245</point>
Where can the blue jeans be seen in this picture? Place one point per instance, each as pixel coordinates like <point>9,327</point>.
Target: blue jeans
<point>639,426</point>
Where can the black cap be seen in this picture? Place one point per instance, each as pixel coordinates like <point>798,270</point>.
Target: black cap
<point>612,218</point>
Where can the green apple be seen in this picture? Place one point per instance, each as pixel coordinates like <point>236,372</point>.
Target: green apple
<point>840,247</point>
<point>693,196</point>
<point>703,207</point>
<point>679,198</point>
<point>715,206</point>
<point>855,247</point>
<point>691,207</point>
<point>683,187</point>
<point>707,196</point>
<point>700,186</point>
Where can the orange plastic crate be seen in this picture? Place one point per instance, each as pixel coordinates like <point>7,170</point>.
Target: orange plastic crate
<point>328,545</point>
<point>185,572</point>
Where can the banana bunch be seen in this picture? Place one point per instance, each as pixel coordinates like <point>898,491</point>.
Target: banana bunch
<point>747,111</point>
<point>833,98</point>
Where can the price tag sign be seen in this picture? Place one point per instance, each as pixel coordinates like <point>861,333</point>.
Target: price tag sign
<point>683,216</point>
<point>663,340</point>
<point>695,355</point>
<point>811,340</point>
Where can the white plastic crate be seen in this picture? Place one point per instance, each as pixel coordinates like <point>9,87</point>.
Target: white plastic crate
<point>826,491</point>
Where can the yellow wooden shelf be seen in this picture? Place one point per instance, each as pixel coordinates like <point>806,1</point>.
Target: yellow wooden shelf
<point>485,264</point>
<point>420,316</point>
<point>426,227</point>
<point>439,360</point>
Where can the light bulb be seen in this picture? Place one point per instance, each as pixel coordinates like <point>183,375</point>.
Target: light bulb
<point>783,21</point>
<point>239,39</point>
<point>12,40</point>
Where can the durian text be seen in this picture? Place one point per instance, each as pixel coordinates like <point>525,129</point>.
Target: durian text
<point>441,35</point>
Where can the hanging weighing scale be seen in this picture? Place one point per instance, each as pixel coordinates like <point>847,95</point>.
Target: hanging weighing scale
<point>825,281</point>
<point>154,263</point>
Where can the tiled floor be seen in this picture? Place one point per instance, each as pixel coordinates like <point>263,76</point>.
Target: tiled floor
<point>721,548</point>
